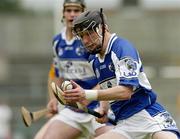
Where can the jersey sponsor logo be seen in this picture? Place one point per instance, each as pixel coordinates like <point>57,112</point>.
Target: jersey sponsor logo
<point>68,48</point>
<point>77,70</point>
<point>71,69</point>
<point>68,64</point>
<point>102,66</point>
<point>128,68</point>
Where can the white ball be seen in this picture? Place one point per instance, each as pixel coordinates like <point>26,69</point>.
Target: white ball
<point>66,85</point>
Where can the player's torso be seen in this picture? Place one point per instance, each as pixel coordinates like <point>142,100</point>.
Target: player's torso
<point>108,74</point>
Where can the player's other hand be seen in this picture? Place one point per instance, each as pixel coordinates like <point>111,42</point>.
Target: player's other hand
<point>52,107</point>
<point>104,119</point>
<point>77,94</point>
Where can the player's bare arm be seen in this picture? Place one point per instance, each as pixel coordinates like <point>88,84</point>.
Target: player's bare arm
<point>115,93</point>
<point>52,102</point>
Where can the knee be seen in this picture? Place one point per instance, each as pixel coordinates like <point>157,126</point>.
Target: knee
<point>164,135</point>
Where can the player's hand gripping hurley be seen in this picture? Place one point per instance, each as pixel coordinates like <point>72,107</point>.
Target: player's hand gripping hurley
<point>58,94</point>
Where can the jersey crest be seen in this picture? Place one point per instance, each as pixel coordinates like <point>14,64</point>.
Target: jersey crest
<point>128,67</point>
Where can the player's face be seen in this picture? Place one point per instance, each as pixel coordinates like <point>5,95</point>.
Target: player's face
<point>70,12</point>
<point>91,40</point>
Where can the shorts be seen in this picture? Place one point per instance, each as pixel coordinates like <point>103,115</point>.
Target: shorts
<point>81,121</point>
<point>142,125</point>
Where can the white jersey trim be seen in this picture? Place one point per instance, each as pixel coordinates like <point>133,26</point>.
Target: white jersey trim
<point>108,48</point>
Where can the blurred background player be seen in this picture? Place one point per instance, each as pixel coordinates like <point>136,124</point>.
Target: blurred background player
<point>70,62</point>
<point>5,121</point>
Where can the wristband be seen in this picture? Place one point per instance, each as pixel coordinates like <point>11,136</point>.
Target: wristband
<point>91,94</point>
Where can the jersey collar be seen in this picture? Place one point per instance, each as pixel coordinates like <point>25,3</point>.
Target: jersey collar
<point>108,48</point>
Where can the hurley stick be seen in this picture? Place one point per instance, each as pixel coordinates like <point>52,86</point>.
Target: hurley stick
<point>30,117</point>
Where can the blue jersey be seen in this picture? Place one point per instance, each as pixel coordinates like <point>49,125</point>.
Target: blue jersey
<point>122,65</point>
<point>71,61</point>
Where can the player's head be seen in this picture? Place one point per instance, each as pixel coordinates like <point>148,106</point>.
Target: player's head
<point>71,9</point>
<point>90,28</point>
